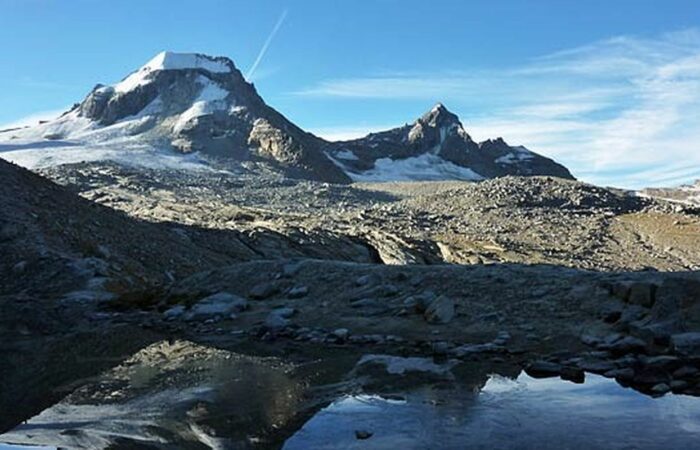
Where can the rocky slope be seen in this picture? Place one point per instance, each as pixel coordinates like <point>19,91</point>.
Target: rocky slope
<point>54,242</point>
<point>507,219</point>
<point>202,107</point>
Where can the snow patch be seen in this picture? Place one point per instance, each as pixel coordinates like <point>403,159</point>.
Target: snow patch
<point>397,365</point>
<point>347,155</point>
<point>37,157</point>
<point>210,99</point>
<point>171,61</point>
<point>424,167</point>
<point>518,154</point>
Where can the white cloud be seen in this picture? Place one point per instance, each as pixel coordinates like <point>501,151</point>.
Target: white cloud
<point>33,118</point>
<point>623,111</point>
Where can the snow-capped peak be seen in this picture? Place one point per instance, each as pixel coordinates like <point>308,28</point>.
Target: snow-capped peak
<point>173,61</point>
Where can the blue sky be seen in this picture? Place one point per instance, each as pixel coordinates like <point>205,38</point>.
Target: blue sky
<point>609,88</point>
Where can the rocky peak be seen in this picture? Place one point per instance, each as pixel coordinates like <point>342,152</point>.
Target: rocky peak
<point>179,81</point>
<point>439,116</point>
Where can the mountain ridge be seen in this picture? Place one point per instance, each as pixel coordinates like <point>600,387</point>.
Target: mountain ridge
<point>195,103</point>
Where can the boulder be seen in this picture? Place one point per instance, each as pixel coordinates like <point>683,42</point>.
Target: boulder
<point>221,304</point>
<point>276,322</point>
<point>284,311</point>
<point>341,333</point>
<point>440,311</point>
<point>678,300</point>
<point>642,294</point>
<point>422,301</point>
<point>624,374</point>
<point>627,344</point>
<point>174,313</point>
<point>660,389</point>
<point>543,369</point>
<point>686,344</point>
<point>298,292</point>
<point>263,290</point>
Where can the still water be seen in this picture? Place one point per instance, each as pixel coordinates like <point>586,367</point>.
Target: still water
<point>524,413</point>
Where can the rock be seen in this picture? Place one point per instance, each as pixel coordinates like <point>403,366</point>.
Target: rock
<point>298,292</point>
<point>411,302</point>
<point>625,374</point>
<point>341,333</point>
<point>276,322</point>
<point>660,389</point>
<point>686,344</point>
<point>632,313</point>
<point>642,294</point>
<point>263,291</point>
<point>471,349</point>
<point>627,344</point>
<point>221,304</point>
<point>174,313</point>
<point>440,347</point>
<point>369,307</point>
<point>655,332</point>
<point>611,311</point>
<point>543,369</point>
<point>678,385</point>
<point>422,301</point>
<point>662,362</point>
<point>363,434</point>
<point>440,311</point>
<point>621,291</point>
<point>19,267</point>
<point>285,312</point>
<point>596,366</point>
<point>677,300</point>
<point>502,338</point>
<point>685,372</point>
<point>364,280</point>
<point>651,376</point>
<point>291,269</point>
<point>573,374</point>
<point>102,251</point>
<point>590,340</point>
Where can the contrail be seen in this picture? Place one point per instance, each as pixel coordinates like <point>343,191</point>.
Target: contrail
<point>279,23</point>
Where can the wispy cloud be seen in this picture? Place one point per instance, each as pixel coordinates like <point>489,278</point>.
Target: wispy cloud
<point>623,111</point>
<point>345,133</point>
<point>33,118</point>
<point>268,41</point>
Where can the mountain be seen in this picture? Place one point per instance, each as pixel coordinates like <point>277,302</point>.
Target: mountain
<point>436,146</point>
<point>201,106</point>
<point>686,194</point>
